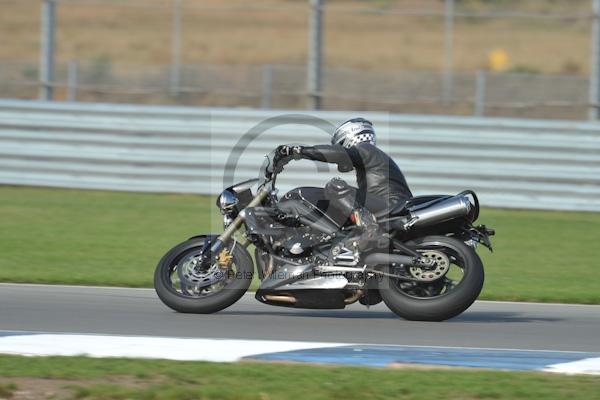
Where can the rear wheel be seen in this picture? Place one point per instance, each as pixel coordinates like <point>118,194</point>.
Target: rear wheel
<point>185,288</point>
<point>442,291</point>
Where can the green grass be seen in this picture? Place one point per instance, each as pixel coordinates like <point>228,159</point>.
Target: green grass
<point>152,379</point>
<point>542,256</point>
<point>93,237</point>
<point>111,238</point>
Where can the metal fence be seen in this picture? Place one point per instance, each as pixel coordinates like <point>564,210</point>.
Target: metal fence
<point>284,87</point>
<point>510,163</point>
<point>446,87</point>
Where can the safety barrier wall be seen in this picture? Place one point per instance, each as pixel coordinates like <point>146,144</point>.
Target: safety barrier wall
<point>509,162</point>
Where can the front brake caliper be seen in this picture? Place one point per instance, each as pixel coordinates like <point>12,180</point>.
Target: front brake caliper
<point>224,259</point>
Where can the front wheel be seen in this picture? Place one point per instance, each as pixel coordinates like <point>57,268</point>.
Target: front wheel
<point>445,290</point>
<point>184,287</point>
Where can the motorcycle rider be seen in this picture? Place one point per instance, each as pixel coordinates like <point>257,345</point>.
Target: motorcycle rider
<point>381,183</point>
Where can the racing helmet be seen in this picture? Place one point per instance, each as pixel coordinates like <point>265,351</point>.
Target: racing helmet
<point>353,132</point>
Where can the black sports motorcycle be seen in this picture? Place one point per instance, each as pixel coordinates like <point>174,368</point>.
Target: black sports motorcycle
<point>424,267</point>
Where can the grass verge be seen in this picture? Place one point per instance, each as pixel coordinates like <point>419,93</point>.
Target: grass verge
<point>112,238</point>
<point>7,390</point>
<point>88,378</point>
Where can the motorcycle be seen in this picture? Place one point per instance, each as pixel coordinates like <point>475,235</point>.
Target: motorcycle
<point>423,267</point>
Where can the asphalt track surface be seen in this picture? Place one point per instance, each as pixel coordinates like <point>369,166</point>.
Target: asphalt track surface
<point>123,311</point>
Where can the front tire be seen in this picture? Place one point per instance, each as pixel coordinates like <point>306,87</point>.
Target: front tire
<point>186,298</point>
<point>420,304</point>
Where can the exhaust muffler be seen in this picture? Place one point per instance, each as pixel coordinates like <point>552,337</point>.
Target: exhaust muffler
<point>454,207</point>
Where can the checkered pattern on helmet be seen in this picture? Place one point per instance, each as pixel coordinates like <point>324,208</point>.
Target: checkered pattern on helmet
<point>354,131</point>
<point>360,138</point>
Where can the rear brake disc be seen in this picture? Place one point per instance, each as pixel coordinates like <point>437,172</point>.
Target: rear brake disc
<point>439,268</point>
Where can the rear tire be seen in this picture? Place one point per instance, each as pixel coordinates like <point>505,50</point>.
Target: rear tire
<point>446,305</point>
<point>211,303</point>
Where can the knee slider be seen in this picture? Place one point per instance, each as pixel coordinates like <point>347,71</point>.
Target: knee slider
<point>336,189</point>
<point>341,195</point>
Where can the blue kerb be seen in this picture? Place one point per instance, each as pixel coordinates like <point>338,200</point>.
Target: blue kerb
<point>380,356</point>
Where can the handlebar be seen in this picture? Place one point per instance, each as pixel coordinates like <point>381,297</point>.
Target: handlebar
<point>272,166</point>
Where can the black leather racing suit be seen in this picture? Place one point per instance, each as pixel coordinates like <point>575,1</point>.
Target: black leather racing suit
<point>380,181</point>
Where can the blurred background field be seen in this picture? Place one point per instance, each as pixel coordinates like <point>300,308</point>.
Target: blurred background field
<point>378,35</point>
<point>387,55</point>
<point>117,238</point>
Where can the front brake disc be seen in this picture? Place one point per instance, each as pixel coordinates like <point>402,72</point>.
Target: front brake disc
<point>192,276</point>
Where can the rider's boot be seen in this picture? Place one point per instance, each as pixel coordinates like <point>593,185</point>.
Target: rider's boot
<point>343,197</point>
<point>371,235</point>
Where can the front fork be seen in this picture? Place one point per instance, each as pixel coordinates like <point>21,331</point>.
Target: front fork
<point>211,254</point>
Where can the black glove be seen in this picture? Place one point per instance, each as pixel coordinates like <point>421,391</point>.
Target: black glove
<point>284,154</point>
<point>286,150</point>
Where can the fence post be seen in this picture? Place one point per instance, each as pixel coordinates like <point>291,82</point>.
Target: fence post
<point>72,79</point>
<point>448,78</point>
<point>480,93</point>
<point>175,70</point>
<point>267,87</point>
<point>315,50</point>
<point>47,32</point>
<point>594,89</point>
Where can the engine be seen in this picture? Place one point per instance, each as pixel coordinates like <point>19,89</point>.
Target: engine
<point>296,243</point>
<point>300,245</point>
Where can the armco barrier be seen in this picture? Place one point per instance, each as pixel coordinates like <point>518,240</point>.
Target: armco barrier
<point>508,162</point>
